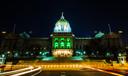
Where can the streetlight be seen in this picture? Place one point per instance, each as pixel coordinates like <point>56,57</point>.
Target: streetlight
<point>120,31</point>
<point>3,32</point>
<point>120,39</point>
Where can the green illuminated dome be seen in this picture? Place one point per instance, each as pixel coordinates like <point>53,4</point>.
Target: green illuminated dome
<point>62,25</point>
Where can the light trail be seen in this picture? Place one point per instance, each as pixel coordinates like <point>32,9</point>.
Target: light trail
<point>26,72</point>
<point>16,71</point>
<point>37,73</point>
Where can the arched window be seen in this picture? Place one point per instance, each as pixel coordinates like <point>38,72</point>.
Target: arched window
<point>68,45</point>
<point>62,45</point>
<point>61,39</point>
<point>56,45</point>
<point>55,39</point>
<point>68,40</point>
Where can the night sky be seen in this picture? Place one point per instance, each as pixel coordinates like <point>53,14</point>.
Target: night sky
<point>85,17</point>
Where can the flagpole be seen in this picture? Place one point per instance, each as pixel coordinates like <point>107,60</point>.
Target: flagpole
<point>110,31</point>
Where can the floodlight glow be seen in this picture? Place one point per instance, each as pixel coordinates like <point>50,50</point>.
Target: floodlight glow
<point>63,53</point>
<point>4,32</point>
<point>62,25</point>
<point>8,52</point>
<point>40,52</point>
<point>62,43</point>
<point>3,55</point>
<point>99,35</point>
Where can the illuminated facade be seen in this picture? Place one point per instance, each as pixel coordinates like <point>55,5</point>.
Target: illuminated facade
<point>62,39</point>
<point>61,43</point>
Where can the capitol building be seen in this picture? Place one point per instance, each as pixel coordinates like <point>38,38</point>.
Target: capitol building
<point>62,42</point>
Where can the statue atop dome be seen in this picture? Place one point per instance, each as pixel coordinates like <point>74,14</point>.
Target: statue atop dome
<point>62,15</point>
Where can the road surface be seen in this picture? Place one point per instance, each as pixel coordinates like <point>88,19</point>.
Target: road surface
<point>85,72</point>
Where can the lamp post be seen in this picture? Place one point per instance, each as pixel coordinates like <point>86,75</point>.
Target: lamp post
<point>120,38</point>
<point>120,32</point>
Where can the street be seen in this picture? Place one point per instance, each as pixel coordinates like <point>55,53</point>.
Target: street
<point>85,72</point>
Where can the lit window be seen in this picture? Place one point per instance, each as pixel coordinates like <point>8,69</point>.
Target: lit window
<point>62,39</point>
<point>56,45</point>
<point>68,39</point>
<point>56,39</point>
<point>62,44</point>
<point>68,45</point>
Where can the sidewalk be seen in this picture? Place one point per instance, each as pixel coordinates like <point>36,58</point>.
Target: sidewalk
<point>116,67</point>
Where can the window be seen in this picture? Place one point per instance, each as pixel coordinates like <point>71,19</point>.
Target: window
<point>56,45</point>
<point>68,39</point>
<point>61,39</point>
<point>62,45</point>
<point>68,45</point>
<point>55,39</point>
